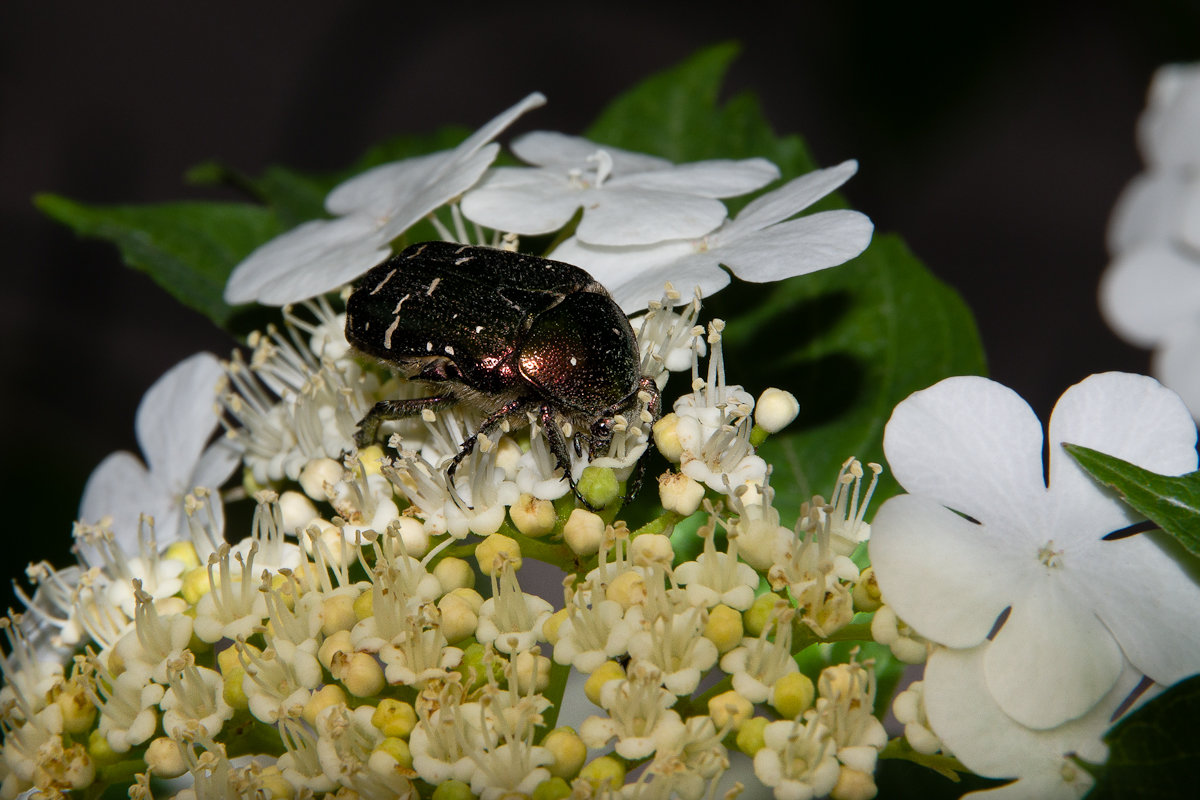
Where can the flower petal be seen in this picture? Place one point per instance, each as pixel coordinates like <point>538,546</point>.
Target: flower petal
<point>177,416</point>
<point>632,216</point>
<point>309,260</point>
<point>945,576</point>
<point>1152,615</point>
<point>797,247</point>
<point>1132,417</point>
<point>794,196</point>
<point>973,445</point>
<point>636,275</point>
<point>1053,660</point>
<point>963,714</point>
<point>553,149</point>
<point>521,200</point>
<point>121,488</point>
<point>715,178</point>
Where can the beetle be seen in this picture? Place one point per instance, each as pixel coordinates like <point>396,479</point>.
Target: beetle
<point>505,333</point>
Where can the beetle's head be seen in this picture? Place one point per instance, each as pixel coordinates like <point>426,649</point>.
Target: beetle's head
<point>601,438</point>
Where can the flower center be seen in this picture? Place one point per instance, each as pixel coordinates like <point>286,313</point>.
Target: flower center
<point>1049,556</point>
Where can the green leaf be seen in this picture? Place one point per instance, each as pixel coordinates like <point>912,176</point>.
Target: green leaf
<point>1171,502</point>
<point>1154,751</point>
<point>675,115</point>
<point>187,248</point>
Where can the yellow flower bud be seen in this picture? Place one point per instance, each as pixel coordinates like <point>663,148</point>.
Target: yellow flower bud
<point>165,759</point>
<point>568,750</point>
<point>454,573</point>
<point>730,708</point>
<point>724,628</point>
<point>666,437</point>
<point>605,771</point>
<point>533,516</point>
<point>793,695</point>
<point>394,717</point>
<point>328,695</point>
<point>750,736</point>
<point>494,547</point>
<point>360,673</point>
<point>608,671</point>
<point>337,613</point>
<point>583,532</point>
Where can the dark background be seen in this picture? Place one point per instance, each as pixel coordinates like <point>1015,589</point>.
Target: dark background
<point>994,137</point>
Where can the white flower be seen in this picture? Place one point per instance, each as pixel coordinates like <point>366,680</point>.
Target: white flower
<point>1150,294</point>
<point>373,209</point>
<point>963,713</point>
<point>761,244</point>
<point>174,422</point>
<point>982,539</point>
<point>627,198</point>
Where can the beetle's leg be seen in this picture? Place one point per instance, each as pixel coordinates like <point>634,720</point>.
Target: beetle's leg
<point>558,446</point>
<point>654,407</point>
<point>387,410</point>
<point>486,428</point>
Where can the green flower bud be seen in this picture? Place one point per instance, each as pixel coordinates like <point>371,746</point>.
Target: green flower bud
<point>599,486</point>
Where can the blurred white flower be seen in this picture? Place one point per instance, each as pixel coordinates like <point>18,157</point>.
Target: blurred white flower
<point>983,541</point>
<point>1150,294</point>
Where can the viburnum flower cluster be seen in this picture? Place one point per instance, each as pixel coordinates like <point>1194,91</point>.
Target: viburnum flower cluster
<point>267,604</point>
<point>1150,294</point>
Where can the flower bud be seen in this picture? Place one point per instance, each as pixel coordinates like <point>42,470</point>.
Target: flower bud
<point>775,410</point>
<point>327,696</point>
<point>867,596</point>
<point>165,759</point>
<point>628,589</point>
<point>531,672</point>
<point>679,493</point>
<point>730,708</point>
<point>853,784</point>
<point>551,626</point>
<point>533,516</point>
<point>599,486</point>
<point>724,628</point>
<point>750,736</point>
<point>651,548</point>
<point>296,511</point>
<point>608,671</point>
<point>454,573</point>
<point>666,438</point>
<point>793,695</point>
<point>568,750</point>
<point>497,546</point>
<point>758,616</point>
<point>459,619</point>
<point>394,717</point>
<point>183,551</point>
<point>337,613</point>
<point>583,532</point>
<point>397,749</point>
<point>604,772</point>
<point>412,533</point>
<point>453,790</point>
<point>553,789</point>
<point>360,673</point>
<point>317,474</point>
<point>335,643</point>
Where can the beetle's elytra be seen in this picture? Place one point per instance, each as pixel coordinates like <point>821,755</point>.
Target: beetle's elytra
<point>508,334</point>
